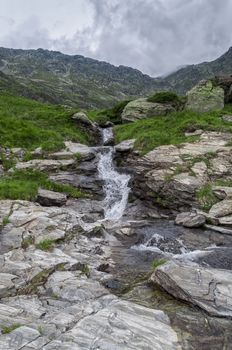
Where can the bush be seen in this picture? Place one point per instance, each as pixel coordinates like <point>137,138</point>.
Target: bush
<point>113,114</point>
<point>164,97</point>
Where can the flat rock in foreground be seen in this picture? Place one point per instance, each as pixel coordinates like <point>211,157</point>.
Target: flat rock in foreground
<point>208,288</point>
<point>120,325</point>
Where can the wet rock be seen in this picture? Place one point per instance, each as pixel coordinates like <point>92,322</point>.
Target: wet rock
<point>141,108</point>
<point>190,219</point>
<point>125,146</point>
<point>221,209</point>
<point>87,183</point>
<point>51,198</point>
<point>208,288</point>
<point>205,97</point>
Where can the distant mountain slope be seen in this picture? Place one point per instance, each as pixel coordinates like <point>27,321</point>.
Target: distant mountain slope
<point>78,81</point>
<point>75,80</point>
<point>185,78</point>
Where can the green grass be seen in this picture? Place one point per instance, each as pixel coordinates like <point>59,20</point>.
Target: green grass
<point>113,114</point>
<point>45,245</point>
<point>157,263</point>
<point>206,197</point>
<point>30,124</point>
<point>167,130</point>
<point>24,184</point>
<point>11,328</point>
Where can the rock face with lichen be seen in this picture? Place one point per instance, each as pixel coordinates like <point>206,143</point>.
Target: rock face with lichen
<point>141,109</point>
<point>205,97</point>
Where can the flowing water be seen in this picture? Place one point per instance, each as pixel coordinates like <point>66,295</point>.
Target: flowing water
<point>153,240</point>
<point>115,187</point>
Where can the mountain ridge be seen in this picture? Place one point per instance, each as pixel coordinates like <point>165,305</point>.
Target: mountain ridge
<point>79,81</point>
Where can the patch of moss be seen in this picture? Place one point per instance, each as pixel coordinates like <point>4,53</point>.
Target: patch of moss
<point>9,329</point>
<point>46,245</point>
<point>157,263</point>
<point>206,197</point>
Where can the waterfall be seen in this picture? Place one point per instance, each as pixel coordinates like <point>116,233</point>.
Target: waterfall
<point>107,135</point>
<point>115,186</point>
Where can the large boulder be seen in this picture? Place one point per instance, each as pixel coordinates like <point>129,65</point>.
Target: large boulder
<point>208,288</point>
<point>141,109</point>
<point>220,209</point>
<point>205,97</point>
<point>82,119</point>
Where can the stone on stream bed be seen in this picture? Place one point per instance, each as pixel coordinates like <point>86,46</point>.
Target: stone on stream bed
<point>208,288</point>
<point>190,219</point>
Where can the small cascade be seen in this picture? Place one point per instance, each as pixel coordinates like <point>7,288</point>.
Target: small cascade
<point>107,135</point>
<point>115,185</point>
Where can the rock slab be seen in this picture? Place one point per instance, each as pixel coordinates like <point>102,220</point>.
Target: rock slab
<point>208,288</point>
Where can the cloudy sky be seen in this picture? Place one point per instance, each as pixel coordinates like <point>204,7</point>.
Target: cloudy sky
<point>155,36</point>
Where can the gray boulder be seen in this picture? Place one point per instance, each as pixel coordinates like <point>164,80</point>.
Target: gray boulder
<point>125,146</point>
<point>190,220</point>
<point>208,288</point>
<point>50,198</point>
<point>81,118</point>
<point>221,209</point>
<point>141,109</point>
<point>205,97</point>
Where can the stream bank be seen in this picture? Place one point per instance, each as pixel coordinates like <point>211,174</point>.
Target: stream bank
<point>91,288</point>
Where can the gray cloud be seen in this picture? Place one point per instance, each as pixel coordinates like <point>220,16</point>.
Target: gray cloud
<point>155,36</point>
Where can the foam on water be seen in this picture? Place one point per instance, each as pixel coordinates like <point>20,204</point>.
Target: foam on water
<point>115,187</point>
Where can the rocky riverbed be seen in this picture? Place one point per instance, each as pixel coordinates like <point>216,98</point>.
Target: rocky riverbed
<point>93,286</point>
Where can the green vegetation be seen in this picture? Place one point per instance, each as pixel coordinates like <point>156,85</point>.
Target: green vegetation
<point>27,242</point>
<point>157,263</point>
<point>46,245</point>
<point>5,221</point>
<point>24,184</point>
<point>113,114</point>
<point>30,124</point>
<point>11,328</point>
<point>206,197</point>
<point>164,97</point>
<point>7,163</point>
<point>167,130</point>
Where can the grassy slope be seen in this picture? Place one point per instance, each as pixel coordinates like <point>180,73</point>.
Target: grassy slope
<point>154,132</point>
<point>24,184</point>
<point>30,124</point>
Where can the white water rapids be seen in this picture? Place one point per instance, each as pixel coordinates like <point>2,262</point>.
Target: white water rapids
<point>115,187</point>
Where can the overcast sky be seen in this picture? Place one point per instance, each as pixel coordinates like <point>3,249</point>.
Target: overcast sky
<point>155,36</point>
